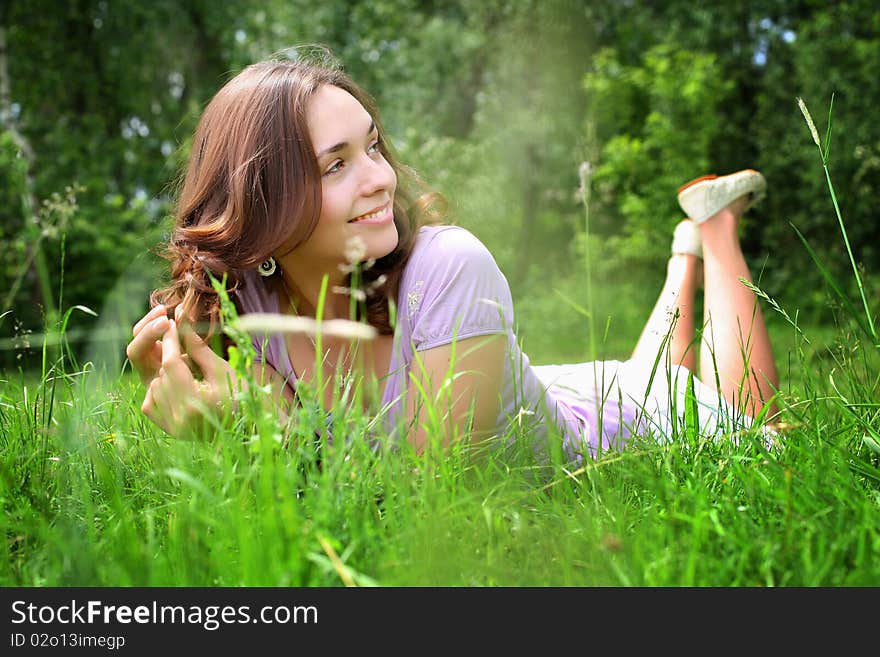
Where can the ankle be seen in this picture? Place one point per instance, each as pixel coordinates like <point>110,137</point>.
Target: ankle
<point>721,228</point>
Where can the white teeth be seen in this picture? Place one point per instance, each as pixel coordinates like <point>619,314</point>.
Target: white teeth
<point>372,215</point>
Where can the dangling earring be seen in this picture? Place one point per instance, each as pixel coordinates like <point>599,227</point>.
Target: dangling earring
<point>267,267</point>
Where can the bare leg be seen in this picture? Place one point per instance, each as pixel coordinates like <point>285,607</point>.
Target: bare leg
<point>677,296</point>
<point>735,335</point>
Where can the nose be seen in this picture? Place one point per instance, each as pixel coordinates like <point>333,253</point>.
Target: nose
<point>378,176</point>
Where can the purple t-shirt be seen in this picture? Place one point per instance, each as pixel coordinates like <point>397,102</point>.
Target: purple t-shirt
<point>452,289</point>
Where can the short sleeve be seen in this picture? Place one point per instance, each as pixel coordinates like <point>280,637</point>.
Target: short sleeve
<point>456,291</point>
<point>253,296</point>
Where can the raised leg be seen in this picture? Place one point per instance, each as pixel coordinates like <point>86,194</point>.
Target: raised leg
<point>671,322</point>
<point>735,346</point>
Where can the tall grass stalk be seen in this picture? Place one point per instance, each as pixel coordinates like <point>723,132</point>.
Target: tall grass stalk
<point>824,156</point>
<point>585,175</point>
<point>859,402</point>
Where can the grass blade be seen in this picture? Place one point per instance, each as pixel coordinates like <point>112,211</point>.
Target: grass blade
<point>838,292</point>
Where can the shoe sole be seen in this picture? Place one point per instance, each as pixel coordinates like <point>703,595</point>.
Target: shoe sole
<point>695,181</point>
<point>754,195</point>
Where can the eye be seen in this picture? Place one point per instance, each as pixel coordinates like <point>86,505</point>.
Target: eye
<point>335,167</point>
<point>375,147</point>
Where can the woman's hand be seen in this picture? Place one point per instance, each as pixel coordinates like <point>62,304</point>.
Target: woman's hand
<point>145,349</point>
<point>176,400</point>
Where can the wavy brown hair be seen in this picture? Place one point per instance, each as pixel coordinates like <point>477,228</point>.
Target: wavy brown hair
<point>253,183</point>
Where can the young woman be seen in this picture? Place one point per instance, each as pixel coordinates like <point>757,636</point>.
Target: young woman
<point>291,180</point>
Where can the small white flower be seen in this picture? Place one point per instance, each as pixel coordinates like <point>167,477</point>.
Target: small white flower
<point>359,295</point>
<point>522,412</point>
<point>375,285</point>
<point>355,250</point>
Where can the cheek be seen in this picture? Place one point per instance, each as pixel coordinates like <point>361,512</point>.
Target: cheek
<point>333,206</point>
<point>393,177</point>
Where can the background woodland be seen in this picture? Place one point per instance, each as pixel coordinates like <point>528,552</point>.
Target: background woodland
<point>497,103</point>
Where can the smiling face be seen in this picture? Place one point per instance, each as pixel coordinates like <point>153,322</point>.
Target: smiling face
<point>357,184</point>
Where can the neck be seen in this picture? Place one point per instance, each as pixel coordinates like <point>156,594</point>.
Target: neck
<point>304,292</point>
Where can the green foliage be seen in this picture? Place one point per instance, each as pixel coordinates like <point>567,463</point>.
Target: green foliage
<point>833,51</point>
<point>657,122</point>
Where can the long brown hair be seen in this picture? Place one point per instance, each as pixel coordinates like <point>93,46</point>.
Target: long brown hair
<point>253,184</point>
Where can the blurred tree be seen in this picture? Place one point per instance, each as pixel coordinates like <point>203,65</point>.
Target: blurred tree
<point>750,63</point>
<point>99,90</point>
<point>657,124</point>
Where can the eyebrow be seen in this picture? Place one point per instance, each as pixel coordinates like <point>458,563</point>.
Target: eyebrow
<point>343,144</point>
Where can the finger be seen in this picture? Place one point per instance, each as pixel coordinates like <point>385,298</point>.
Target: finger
<point>177,377</point>
<point>199,351</point>
<point>146,336</point>
<point>170,345</point>
<point>150,407</point>
<point>147,404</point>
<point>158,311</point>
<point>144,351</point>
<point>162,411</point>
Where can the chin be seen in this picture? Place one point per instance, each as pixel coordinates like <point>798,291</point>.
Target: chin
<point>379,246</point>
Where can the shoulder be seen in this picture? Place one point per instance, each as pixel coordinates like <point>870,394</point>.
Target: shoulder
<point>449,239</point>
<point>448,247</point>
<point>453,286</point>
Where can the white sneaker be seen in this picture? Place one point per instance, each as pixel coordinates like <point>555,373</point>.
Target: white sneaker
<point>686,239</point>
<point>704,196</point>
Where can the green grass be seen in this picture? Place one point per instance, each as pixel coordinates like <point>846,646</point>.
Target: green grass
<point>94,495</point>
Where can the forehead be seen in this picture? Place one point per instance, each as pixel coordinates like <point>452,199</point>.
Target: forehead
<point>333,116</point>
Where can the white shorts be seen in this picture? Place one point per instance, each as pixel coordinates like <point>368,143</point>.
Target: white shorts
<point>654,405</point>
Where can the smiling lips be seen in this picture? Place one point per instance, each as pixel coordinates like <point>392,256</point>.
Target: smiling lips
<point>381,215</point>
